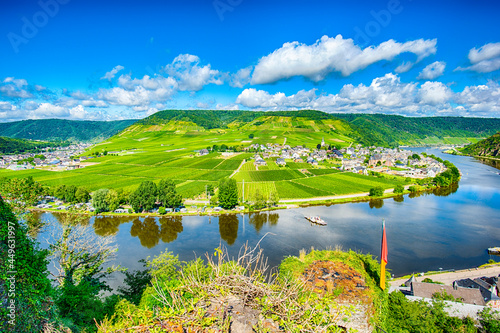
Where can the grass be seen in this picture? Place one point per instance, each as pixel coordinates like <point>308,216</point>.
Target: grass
<point>159,152</point>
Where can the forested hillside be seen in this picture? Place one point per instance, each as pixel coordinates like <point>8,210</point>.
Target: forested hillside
<point>62,130</point>
<point>16,146</point>
<point>489,147</point>
<point>367,129</point>
<point>399,130</point>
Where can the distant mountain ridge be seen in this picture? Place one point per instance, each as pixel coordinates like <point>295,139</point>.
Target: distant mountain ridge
<point>63,130</point>
<point>367,129</point>
<point>489,147</point>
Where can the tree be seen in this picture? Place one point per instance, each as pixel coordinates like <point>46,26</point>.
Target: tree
<point>82,195</point>
<point>144,198</point>
<point>376,191</point>
<point>70,194</point>
<point>33,289</point>
<point>99,201</point>
<point>251,136</point>
<point>259,200</point>
<point>399,189</point>
<point>21,191</point>
<point>80,258</point>
<point>228,193</point>
<point>60,191</point>
<point>136,282</point>
<point>112,200</point>
<point>318,146</point>
<point>167,194</point>
<point>273,199</point>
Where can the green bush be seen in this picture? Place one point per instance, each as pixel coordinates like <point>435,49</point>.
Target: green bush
<point>32,292</point>
<point>399,189</point>
<point>377,191</point>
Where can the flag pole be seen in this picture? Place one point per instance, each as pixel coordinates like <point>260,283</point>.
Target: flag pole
<point>383,257</point>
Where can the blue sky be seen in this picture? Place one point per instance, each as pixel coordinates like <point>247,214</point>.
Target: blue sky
<point>106,60</point>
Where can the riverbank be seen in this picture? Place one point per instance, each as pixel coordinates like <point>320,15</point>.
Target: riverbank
<point>283,204</point>
<point>448,277</point>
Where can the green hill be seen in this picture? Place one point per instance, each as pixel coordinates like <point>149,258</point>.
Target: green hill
<point>489,147</point>
<point>366,129</point>
<point>17,146</point>
<point>63,130</point>
<point>398,130</point>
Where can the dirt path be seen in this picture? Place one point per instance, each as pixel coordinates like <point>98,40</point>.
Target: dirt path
<point>237,170</point>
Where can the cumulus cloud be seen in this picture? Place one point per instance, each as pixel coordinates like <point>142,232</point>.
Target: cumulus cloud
<point>434,93</point>
<point>385,94</point>
<point>432,71</point>
<point>481,98</point>
<point>241,77</point>
<point>111,74</point>
<point>329,55</point>
<point>486,59</point>
<point>15,88</point>
<point>190,75</point>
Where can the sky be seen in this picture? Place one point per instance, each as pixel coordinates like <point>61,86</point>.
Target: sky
<point>111,60</point>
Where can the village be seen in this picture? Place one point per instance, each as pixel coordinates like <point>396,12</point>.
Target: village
<point>55,159</point>
<point>357,159</point>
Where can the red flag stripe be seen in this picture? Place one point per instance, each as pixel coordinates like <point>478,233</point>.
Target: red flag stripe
<point>384,246</point>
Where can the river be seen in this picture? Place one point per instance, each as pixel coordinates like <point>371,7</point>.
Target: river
<point>447,229</point>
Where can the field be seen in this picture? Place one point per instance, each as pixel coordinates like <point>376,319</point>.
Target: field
<point>144,152</point>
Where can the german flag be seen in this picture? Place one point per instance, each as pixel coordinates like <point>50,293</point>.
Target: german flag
<point>383,258</point>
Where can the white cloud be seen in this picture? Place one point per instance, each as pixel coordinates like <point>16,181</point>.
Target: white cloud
<point>481,98</point>
<point>432,71</point>
<point>111,74</point>
<point>241,77</point>
<point>14,88</point>
<point>404,67</point>
<point>486,59</point>
<point>385,94</point>
<point>434,93</point>
<point>48,110</point>
<point>6,106</point>
<point>201,105</point>
<point>329,55</point>
<point>189,75</point>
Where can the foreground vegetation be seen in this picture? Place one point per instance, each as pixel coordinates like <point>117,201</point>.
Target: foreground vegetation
<point>215,294</point>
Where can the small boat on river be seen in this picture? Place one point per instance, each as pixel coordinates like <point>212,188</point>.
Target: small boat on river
<point>494,250</point>
<point>315,219</point>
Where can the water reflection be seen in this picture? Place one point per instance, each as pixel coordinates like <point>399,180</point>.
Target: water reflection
<point>228,228</point>
<point>376,203</point>
<point>492,163</point>
<point>399,198</point>
<point>258,220</point>
<point>147,231</point>
<point>445,191</point>
<point>107,226</point>
<point>170,228</point>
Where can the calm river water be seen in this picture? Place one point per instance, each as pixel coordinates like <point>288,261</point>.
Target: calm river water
<point>449,229</point>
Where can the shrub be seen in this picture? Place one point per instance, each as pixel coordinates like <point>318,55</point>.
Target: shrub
<point>376,191</point>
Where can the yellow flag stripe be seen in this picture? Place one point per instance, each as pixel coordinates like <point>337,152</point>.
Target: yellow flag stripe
<point>382,274</point>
